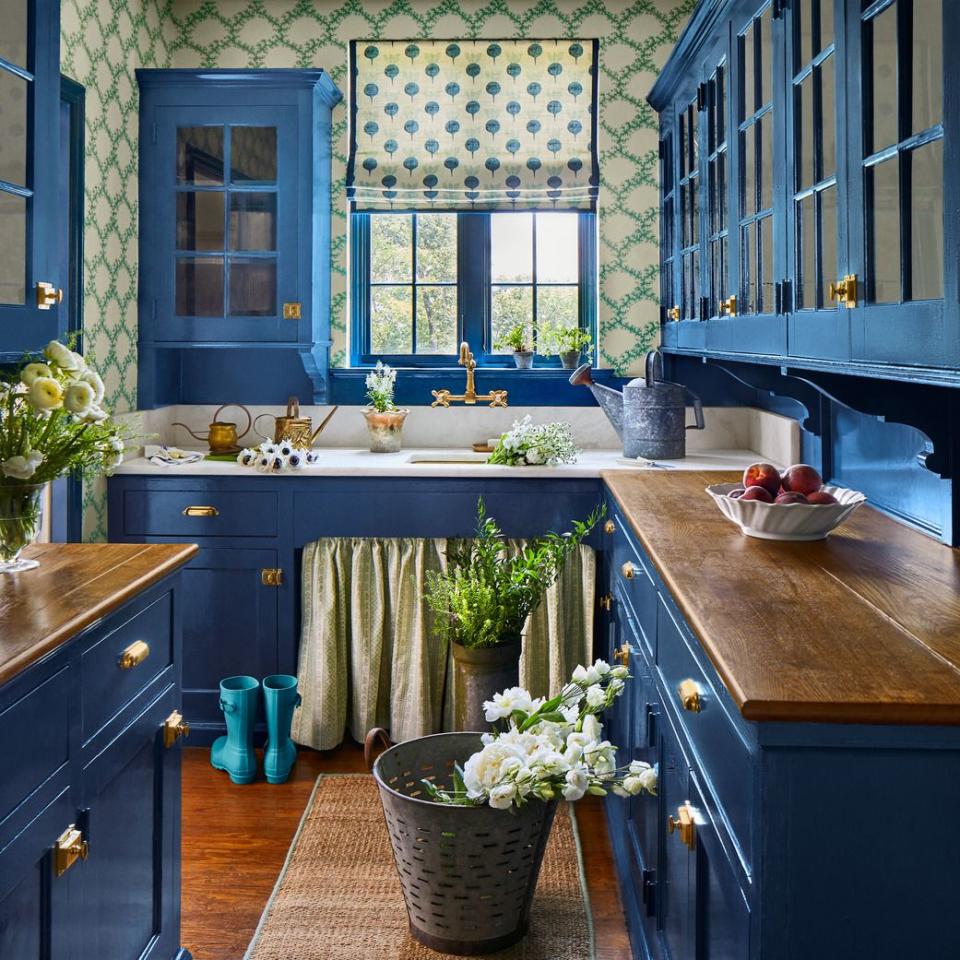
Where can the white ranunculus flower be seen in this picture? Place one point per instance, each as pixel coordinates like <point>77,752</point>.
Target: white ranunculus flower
<point>501,797</point>
<point>78,398</point>
<point>94,415</point>
<point>62,356</point>
<point>577,782</point>
<point>33,371</point>
<point>81,364</point>
<point>596,696</point>
<point>95,381</point>
<point>503,704</point>
<point>22,467</point>
<point>45,393</point>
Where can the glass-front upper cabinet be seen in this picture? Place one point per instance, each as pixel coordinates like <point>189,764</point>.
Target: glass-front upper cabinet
<point>30,278</point>
<point>688,190</point>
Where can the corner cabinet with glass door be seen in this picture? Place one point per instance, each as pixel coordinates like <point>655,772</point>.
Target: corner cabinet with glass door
<point>30,274</point>
<point>828,169</point>
<point>234,235</point>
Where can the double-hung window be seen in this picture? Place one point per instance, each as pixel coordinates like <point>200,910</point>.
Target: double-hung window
<point>425,282</point>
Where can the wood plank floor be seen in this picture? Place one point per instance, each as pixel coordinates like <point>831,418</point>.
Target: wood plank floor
<point>235,840</point>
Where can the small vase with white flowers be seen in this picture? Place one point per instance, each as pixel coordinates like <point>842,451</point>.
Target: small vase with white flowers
<point>384,418</point>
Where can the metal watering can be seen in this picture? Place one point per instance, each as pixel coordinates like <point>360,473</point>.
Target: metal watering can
<point>650,415</point>
<point>293,428</point>
<point>223,436</point>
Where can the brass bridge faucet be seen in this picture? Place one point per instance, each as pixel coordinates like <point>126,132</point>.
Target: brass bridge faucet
<point>443,398</point>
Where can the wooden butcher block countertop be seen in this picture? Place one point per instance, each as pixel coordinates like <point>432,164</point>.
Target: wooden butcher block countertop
<point>863,627</point>
<point>75,585</point>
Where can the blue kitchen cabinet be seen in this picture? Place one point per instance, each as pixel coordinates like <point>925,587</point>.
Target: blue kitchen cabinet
<point>30,280</point>
<point>234,235</point>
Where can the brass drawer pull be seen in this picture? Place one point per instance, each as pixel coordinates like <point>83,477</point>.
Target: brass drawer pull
<point>628,570</point>
<point>690,696</point>
<point>622,655</point>
<point>685,824</point>
<point>201,512</point>
<point>609,527</point>
<point>69,848</point>
<point>134,655</point>
<point>174,727</point>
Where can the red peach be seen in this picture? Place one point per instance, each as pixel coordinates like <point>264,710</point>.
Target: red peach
<point>802,478</point>
<point>736,493</point>
<point>791,496</point>
<point>763,475</point>
<point>821,497</point>
<point>757,493</point>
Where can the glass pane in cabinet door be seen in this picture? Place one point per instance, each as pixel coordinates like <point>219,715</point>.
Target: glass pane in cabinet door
<point>253,221</point>
<point>14,94</point>
<point>765,266</point>
<point>684,215</point>
<point>695,211</point>
<point>436,319</point>
<point>747,70</point>
<point>805,146</point>
<point>884,202</point>
<point>745,304</point>
<point>826,23</point>
<point>200,155</point>
<point>748,153</point>
<point>829,266</point>
<point>13,243</point>
<point>883,28</point>
<point>199,287</point>
<point>927,64</point>
<point>926,221</point>
<point>828,129</point>
<point>253,287</point>
<point>253,154</point>
<point>807,252</point>
<point>200,220</point>
<point>391,319</point>
<point>765,65</point>
<point>13,39</point>
<point>765,166</point>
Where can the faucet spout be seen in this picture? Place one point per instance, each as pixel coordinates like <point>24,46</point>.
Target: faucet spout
<point>469,397</point>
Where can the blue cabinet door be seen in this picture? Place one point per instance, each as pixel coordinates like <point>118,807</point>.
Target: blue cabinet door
<point>29,151</point>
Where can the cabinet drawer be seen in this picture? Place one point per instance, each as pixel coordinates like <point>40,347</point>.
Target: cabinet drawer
<point>723,754</point>
<point>632,572</point>
<point>116,667</point>
<point>200,513</point>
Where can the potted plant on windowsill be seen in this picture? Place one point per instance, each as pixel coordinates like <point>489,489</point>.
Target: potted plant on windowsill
<point>384,417</point>
<point>569,343</point>
<point>482,602</point>
<point>518,339</point>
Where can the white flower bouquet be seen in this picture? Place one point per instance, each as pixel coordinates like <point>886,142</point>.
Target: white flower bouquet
<point>535,444</point>
<point>276,457</point>
<point>547,749</point>
<point>381,383</point>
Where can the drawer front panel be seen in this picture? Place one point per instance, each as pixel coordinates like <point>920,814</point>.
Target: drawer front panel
<point>631,571</point>
<point>200,513</point>
<point>36,739</point>
<point>116,667</point>
<point>724,756</point>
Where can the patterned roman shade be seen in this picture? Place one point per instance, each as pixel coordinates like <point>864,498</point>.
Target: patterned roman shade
<point>473,125</point>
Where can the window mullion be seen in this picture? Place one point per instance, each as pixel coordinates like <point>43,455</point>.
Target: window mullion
<point>473,280</point>
<point>534,298</point>
<point>413,287</point>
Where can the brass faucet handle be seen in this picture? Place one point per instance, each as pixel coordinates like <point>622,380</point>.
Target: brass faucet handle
<point>441,398</point>
<point>498,398</point>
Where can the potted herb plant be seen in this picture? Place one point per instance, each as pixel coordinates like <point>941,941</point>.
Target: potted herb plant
<point>51,423</point>
<point>570,342</point>
<point>482,602</point>
<point>518,339</point>
<point>384,417</point>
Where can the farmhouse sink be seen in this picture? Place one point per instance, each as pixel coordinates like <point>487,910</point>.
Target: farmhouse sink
<point>447,456</point>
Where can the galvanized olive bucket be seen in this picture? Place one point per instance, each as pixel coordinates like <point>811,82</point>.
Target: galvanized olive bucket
<point>468,873</point>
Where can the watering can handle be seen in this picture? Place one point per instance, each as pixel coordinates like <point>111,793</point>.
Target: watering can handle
<point>241,433</point>
<point>293,406</point>
<point>697,412</point>
<point>652,366</point>
<point>370,752</point>
<point>256,429</point>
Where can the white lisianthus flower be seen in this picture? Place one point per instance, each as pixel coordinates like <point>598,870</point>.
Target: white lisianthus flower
<point>592,727</point>
<point>484,770</point>
<point>580,674</point>
<point>45,393</point>
<point>596,696</point>
<point>22,467</point>
<point>503,704</point>
<point>95,381</point>
<point>501,796</point>
<point>577,782</point>
<point>62,356</point>
<point>620,673</point>
<point>33,371</point>
<point>602,667</point>
<point>571,712</point>
<point>79,398</point>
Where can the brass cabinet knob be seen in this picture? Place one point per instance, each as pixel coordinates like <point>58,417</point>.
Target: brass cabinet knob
<point>48,295</point>
<point>628,570</point>
<point>674,313</point>
<point>174,727</point>
<point>684,824</point>
<point>201,511</point>
<point>845,291</point>
<point>728,307</point>
<point>690,697</point>
<point>609,527</point>
<point>69,848</point>
<point>622,655</point>
<point>134,655</point>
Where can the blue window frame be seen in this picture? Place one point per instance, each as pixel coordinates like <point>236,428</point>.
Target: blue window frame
<point>471,294</point>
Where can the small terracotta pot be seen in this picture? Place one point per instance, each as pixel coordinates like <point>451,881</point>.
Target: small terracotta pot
<point>385,429</point>
<point>523,359</point>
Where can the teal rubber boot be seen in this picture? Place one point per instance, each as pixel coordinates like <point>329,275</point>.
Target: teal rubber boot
<point>280,698</point>
<point>234,752</point>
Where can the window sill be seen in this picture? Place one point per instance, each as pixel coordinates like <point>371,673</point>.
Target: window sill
<point>541,386</point>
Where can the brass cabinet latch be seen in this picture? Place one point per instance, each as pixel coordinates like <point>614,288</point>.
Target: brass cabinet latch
<point>728,307</point>
<point>609,527</point>
<point>48,295</point>
<point>69,848</point>
<point>674,313</point>
<point>845,291</point>
<point>174,727</point>
<point>134,655</point>
<point>606,602</point>
<point>628,570</point>
<point>690,697</point>
<point>622,655</point>
<point>685,824</point>
<point>271,577</point>
<point>292,311</point>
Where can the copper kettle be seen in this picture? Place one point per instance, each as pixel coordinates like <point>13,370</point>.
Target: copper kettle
<point>222,435</point>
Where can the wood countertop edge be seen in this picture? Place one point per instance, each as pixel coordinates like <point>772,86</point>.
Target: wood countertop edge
<point>793,711</point>
<point>11,668</point>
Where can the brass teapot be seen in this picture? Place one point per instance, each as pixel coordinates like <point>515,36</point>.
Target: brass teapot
<point>293,428</point>
<point>222,435</point>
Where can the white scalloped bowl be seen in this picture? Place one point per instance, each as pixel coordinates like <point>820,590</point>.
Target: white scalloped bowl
<point>786,521</point>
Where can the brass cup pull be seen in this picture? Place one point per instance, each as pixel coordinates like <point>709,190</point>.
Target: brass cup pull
<point>685,825</point>
<point>69,848</point>
<point>628,570</point>
<point>174,727</point>
<point>609,527</point>
<point>690,697</point>
<point>134,655</point>
<point>201,511</point>
<point>622,655</point>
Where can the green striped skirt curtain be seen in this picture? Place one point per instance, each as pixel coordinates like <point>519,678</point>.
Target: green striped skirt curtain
<point>368,654</point>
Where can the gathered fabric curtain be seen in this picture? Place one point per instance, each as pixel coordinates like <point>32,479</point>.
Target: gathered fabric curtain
<point>473,125</point>
<point>368,653</point>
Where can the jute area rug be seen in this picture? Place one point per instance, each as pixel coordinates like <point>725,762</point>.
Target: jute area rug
<point>338,896</point>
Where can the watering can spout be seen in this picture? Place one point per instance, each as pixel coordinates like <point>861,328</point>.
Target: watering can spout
<point>611,401</point>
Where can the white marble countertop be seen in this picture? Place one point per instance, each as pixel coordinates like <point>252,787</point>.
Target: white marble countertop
<point>431,462</point>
